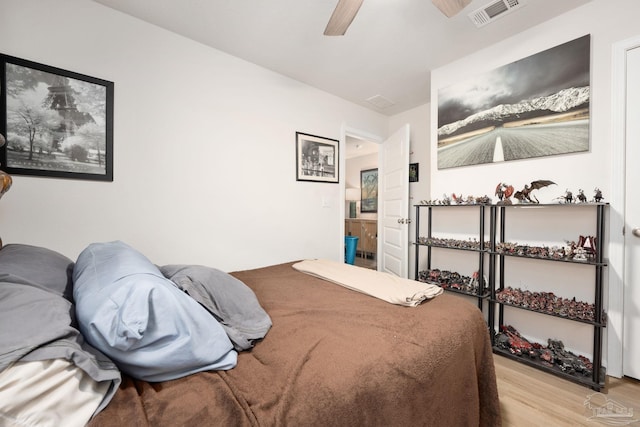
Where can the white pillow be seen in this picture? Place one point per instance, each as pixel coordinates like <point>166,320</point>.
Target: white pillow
<point>48,393</point>
<point>127,309</point>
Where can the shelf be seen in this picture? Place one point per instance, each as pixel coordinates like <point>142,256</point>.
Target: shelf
<point>456,248</point>
<point>547,205</point>
<point>603,263</point>
<point>493,246</point>
<point>477,243</point>
<point>594,259</point>
<point>458,291</point>
<point>546,313</point>
<point>454,205</point>
<point>554,369</point>
<point>485,294</point>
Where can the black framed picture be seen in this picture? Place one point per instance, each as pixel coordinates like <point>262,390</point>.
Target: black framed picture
<point>413,172</point>
<point>369,191</point>
<point>57,123</point>
<point>316,158</point>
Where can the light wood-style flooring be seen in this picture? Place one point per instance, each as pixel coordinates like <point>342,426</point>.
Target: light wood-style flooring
<point>530,397</point>
<point>366,261</point>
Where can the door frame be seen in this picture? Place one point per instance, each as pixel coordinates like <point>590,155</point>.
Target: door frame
<point>345,131</point>
<point>615,313</point>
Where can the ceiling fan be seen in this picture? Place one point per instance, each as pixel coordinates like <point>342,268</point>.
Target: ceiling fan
<point>346,10</point>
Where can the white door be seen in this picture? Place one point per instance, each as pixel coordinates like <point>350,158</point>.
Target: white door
<point>631,337</point>
<point>393,204</point>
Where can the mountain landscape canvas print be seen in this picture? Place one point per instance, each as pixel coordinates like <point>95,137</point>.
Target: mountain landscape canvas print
<point>537,106</point>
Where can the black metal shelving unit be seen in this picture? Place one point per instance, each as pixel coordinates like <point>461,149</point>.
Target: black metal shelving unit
<point>497,276</point>
<point>483,250</point>
<point>598,263</point>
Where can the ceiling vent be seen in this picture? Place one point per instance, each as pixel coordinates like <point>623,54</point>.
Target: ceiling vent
<point>380,102</point>
<point>494,10</point>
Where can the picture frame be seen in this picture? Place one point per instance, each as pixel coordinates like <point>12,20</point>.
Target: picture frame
<point>57,123</point>
<point>369,191</point>
<point>414,169</point>
<point>317,158</point>
<point>530,117</point>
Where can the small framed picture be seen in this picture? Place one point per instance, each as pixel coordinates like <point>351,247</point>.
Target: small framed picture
<point>369,191</point>
<point>413,172</point>
<point>316,158</point>
<point>57,123</point>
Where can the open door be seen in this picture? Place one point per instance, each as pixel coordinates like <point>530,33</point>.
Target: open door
<point>631,319</point>
<point>393,204</point>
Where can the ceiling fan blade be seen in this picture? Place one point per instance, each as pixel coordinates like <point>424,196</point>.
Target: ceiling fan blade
<point>342,17</point>
<point>451,7</point>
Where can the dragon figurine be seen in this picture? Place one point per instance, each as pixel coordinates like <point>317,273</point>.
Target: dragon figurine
<point>504,192</point>
<point>525,196</point>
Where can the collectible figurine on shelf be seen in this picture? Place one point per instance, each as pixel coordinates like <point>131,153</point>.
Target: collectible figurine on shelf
<point>598,195</point>
<point>579,254</point>
<point>483,200</point>
<point>525,196</point>
<point>589,244</point>
<point>581,197</point>
<point>568,196</point>
<point>504,192</point>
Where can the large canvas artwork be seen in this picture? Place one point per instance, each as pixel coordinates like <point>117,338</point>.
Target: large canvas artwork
<point>537,106</point>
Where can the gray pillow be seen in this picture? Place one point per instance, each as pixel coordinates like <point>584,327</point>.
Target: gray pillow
<point>228,299</point>
<point>37,315</point>
<point>40,267</point>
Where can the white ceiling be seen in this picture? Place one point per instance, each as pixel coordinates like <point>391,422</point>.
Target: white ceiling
<point>388,50</point>
<point>356,147</point>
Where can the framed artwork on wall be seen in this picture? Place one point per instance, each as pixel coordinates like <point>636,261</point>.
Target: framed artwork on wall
<point>413,172</point>
<point>369,191</point>
<point>534,107</point>
<point>57,123</point>
<point>316,158</point>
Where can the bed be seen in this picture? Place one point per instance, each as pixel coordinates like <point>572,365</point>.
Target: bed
<point>332,356</point>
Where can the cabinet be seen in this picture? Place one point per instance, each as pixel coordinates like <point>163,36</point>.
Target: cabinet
<point>546,303</point>
<point>472,281</point>
<point>367,232</point>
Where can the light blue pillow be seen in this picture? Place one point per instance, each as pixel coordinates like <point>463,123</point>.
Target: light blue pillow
<point>153,331</point>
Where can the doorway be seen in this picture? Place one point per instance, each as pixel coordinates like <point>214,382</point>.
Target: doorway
<point>361,216</point>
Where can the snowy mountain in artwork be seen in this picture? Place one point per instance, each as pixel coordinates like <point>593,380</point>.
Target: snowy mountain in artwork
<point>564,101</point>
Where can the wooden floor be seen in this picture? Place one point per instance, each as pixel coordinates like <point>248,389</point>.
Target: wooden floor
<point>366,261</point>
<point>530,397</point>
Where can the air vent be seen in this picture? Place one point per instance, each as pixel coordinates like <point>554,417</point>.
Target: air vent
<point>380,102</point>
<point>494,10</point>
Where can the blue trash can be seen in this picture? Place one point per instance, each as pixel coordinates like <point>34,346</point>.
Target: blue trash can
<point>350,245</point>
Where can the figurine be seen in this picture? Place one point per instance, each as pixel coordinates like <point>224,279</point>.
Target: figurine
<point>589,244</point>
<point>568,196</point>
<point>525,196</point>
<point>580,254</point>
<point>504,192</point>
<point>581,197</point>
<point>483,200</point>
<point>598,195</point>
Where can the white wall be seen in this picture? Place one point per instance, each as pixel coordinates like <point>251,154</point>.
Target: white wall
<point>608,22</point>
<point>204,147</point>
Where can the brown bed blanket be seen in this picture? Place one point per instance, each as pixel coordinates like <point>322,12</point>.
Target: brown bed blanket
<point>334,357</point>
